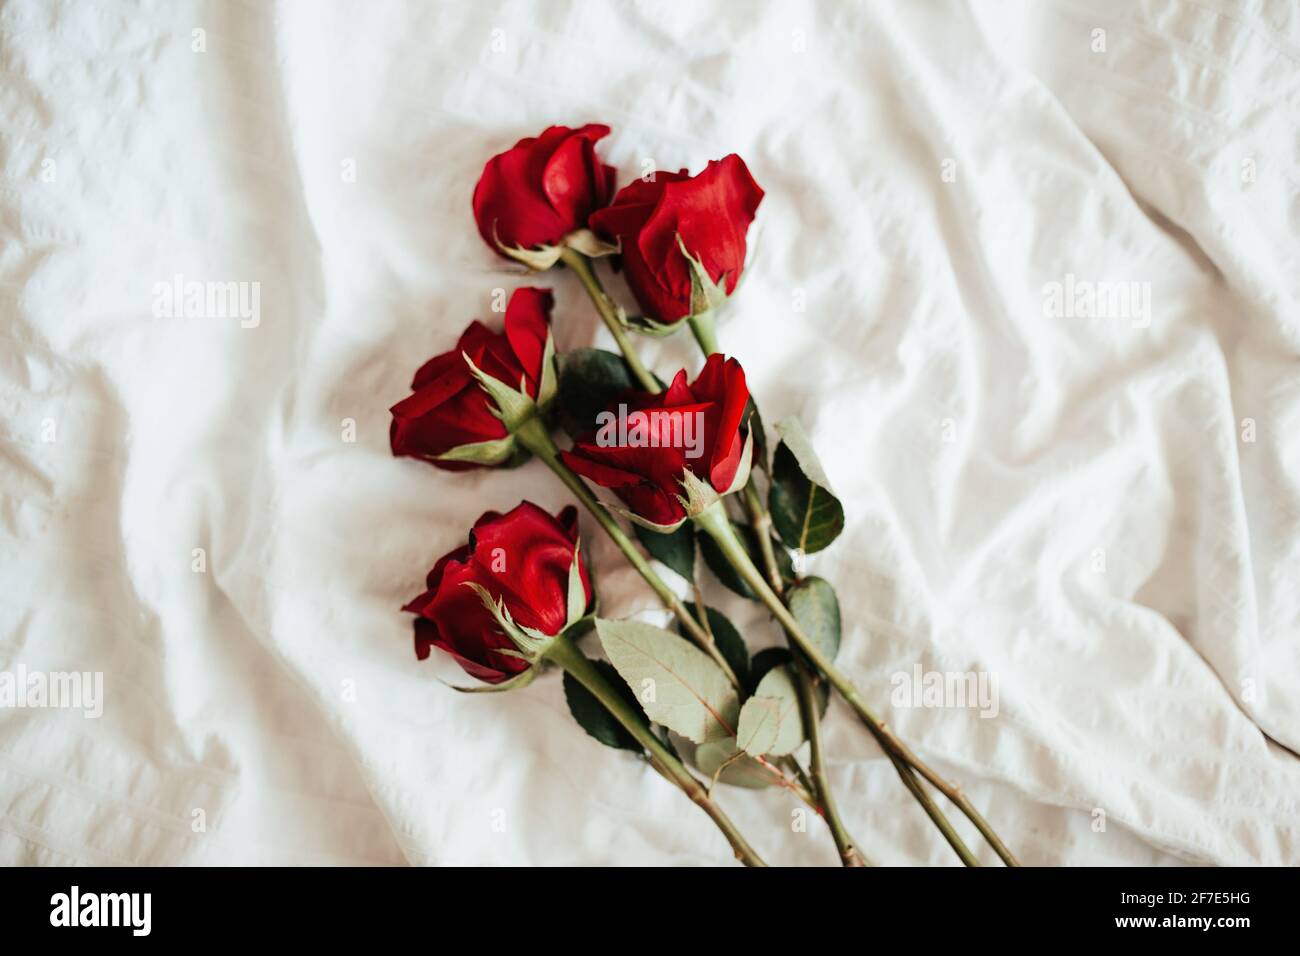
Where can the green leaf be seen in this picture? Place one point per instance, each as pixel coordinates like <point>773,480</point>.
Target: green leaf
<point>772,657</point>
<point>805,512</point>
<point>764,661</point>
<point>666,737</point>
<point>591,714</point>
<point>675,549</point>
<point>676,683</point>
<point>737,768</point>
<point>760,436</point>
<point>814,605</point>
<point>591,380</point>
<point>770,721</point>
<point>727,638</point>
<point>725,573</point>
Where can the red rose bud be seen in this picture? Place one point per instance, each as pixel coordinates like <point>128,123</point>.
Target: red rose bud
<point>682,237</point>
<point>668,456</point>
<point>532,197</point>
<point>450,420</point>
<point>527,566</point>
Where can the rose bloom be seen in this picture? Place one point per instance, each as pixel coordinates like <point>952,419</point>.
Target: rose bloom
<point>523,558</point>
<point>647,478</point>
<point>711,213</point>
<point>448,410</point>
<point>543,188</point>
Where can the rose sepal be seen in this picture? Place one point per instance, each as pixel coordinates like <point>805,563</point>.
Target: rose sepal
<point>548,385</point>
<point>498,451</point>
<point>744,466</point>
<point>520,680</point>
<point>540,258</point>
<point>532,645</point>
<point>636,519</point>
<point>575,599</point>
<point>590,244</point>
<point>513,406</point>
<point>700,495</point>
<point>530,642</point>
<point>706,295</point>
<point>648,326</point>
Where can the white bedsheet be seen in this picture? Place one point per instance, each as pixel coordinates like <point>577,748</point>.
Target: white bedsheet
<point>991,456</point>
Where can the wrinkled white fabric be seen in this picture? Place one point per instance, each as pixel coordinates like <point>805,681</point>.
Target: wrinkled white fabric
<point>1101,515</point>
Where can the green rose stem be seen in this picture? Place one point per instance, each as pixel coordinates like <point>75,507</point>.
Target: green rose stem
<point>705,332</point>
<point>761,522</point>
<point>581,267</point>
<point>702,327</point>
<point>849,853</point>
<point>905,772</point>
<point>908,776</point>
<point>904,761</point>
<point>534,436</point>
<point>713,521</point>
<point>565,653</point>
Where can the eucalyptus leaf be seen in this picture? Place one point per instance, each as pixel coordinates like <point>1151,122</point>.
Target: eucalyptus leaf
<point>675,683</point>
<point>676,549</point>
<point>770,722</point>
<point>727,638</point>
<point>591,714</point>
<point>807,515</point>
<point>814,605</point>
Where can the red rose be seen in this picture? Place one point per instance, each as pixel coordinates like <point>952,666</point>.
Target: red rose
<point>695,428</point>
<point>710,212</point>
<point>523,559</point>
<point>542,189</point>
<point>448,420</point>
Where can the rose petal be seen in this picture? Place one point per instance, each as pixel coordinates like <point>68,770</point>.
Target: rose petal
<point>527,329</point>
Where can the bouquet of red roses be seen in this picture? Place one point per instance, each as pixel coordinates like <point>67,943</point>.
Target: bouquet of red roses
<point>690,465</point>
